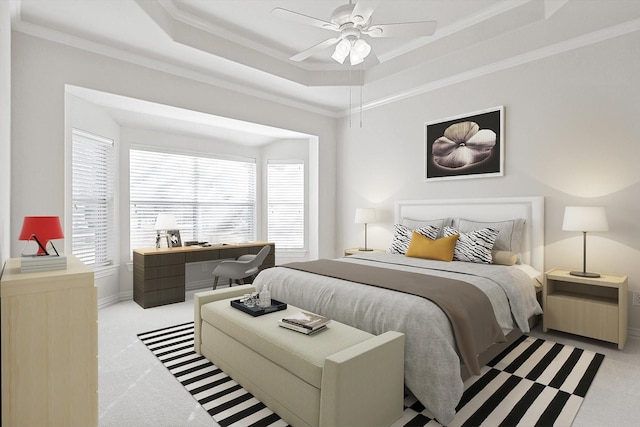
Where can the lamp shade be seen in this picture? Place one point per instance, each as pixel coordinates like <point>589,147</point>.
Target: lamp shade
<point>166,221</point>
<point>365,215</point>
<point>45,228</point>
<point>585,218</point>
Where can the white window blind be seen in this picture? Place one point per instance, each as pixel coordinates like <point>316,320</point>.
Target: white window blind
<point>209,196</point>
<point>93,212</point>
<point>285,195</point>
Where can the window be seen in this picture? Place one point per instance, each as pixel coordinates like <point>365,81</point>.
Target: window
<point>93,212</point>
<point>209,196</point>
<point>285,194</point>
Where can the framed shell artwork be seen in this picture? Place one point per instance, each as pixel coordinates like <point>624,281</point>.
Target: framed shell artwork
<point>465,146</point>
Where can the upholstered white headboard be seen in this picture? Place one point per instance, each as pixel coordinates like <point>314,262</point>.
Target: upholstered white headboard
<point>490,209</point>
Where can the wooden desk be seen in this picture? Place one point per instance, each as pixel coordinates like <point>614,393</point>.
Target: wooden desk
<point>49,346</point>
<point>159,274</point>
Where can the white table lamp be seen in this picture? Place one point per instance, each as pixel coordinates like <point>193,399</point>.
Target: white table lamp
<point>164,222</point>
<point>585,218</point>
<point>365,216</point>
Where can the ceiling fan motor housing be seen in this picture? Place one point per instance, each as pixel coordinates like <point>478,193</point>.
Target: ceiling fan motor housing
<point>350,33</point>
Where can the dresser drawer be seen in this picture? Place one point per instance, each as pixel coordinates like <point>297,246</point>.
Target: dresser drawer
<point>158,259</point>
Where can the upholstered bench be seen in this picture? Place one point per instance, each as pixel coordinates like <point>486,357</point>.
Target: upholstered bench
<point>338,377</point>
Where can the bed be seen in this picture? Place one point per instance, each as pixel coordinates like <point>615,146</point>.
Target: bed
<point>434,372</point>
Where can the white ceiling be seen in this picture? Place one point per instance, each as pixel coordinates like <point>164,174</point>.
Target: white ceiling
<point>239,44</point>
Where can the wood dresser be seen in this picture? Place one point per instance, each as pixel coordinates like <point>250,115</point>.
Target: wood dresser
<point>159,274</point>
<point>49,346</point>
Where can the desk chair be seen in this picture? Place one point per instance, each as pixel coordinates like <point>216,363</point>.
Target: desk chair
<point>245,266</point>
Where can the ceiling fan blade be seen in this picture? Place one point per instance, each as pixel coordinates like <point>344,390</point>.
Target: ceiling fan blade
<point>363,10</point>
<point>405,29</point>
<point>314,49</point>
<point>304,19</point>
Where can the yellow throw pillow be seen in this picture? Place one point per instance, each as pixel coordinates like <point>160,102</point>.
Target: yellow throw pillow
<point>439,249</point>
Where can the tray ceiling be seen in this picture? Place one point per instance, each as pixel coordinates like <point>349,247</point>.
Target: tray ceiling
<point>240,44</point>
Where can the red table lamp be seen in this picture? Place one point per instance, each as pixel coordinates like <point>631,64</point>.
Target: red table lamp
<point>42,229</point>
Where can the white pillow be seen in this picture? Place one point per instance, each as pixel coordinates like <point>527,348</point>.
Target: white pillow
<point>418,223</point>
<point>510,236</point>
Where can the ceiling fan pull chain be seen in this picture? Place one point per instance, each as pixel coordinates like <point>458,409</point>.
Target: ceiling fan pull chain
<point>350,95</point>
<point>361,92</point>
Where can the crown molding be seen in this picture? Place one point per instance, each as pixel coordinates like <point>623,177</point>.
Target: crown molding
<point>120,54</point>
<point>534,55</point>
<point>160,65</point>
<point>196,22</point>
<point>463,24</point>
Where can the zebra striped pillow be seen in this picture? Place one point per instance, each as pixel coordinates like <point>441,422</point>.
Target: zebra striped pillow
<point>474,246</point>
<point>402,237</point>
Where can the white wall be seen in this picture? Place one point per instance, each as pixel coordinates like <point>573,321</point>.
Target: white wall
<point>5,132</point>
<point>571,136</point>
<point>41,69</point>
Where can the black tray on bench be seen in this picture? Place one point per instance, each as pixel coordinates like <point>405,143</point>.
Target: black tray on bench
<point>256,311</point>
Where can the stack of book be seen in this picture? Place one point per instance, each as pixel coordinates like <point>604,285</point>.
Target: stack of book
<point>35,263</point>
<point>306,323</point>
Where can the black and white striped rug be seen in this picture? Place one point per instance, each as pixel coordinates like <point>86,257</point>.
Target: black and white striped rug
<point>533,382</point>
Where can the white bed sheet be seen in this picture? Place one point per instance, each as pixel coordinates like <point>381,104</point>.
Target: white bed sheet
<point>432,366</point>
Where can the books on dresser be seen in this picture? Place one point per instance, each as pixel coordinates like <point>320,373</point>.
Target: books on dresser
<point>36,263</point>
<point>304,322</point>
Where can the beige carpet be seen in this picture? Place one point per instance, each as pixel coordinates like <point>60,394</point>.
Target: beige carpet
<point>136,390</point>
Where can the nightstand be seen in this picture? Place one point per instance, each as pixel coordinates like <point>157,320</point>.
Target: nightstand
<point>353,251</point>
<point>591,307</point>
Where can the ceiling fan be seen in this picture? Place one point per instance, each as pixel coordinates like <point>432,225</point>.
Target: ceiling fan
<point>353,21</point>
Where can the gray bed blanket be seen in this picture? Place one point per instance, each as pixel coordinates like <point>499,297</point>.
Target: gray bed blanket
<point>469,310</point>
<point>432,365</point>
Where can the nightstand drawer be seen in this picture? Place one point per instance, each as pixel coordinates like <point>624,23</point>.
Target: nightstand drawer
<point>581,316</point>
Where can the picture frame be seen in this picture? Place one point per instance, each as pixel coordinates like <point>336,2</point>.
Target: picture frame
<point>449,155</point>
<point>173,239</point>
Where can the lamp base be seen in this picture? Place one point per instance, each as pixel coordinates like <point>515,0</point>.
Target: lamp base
<point>584,274</point>
<point>365,250</point>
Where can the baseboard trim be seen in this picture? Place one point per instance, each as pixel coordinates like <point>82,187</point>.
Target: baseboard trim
<point>114,299</point>
<point>107,301</point>
<point>201,284</point>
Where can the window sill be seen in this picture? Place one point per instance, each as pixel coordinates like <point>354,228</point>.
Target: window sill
<point>292,253</point>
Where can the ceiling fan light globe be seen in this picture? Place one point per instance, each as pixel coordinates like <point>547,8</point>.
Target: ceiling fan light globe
<point>354,58</point>
<point>343,48</point>
<point>362,48</point>
<point>338,57</point>
<point>342,51</point>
